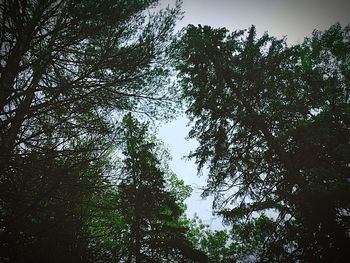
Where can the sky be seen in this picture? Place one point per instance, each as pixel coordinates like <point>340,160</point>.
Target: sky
<point>294,19</point>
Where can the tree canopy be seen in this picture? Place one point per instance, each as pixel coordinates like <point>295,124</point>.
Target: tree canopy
<point>83,177</point>
<point>69,72</point>
<point>272,123</point>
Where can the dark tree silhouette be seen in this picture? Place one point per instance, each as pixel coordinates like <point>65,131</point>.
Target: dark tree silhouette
<point>273,126</point>
<point>69,70</point>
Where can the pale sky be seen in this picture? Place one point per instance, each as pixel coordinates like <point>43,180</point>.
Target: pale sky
<point>295,19</point>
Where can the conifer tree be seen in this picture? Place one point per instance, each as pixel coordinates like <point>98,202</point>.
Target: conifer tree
<point>69,69</point>
<point>151,211</point>
<point>273,126</point>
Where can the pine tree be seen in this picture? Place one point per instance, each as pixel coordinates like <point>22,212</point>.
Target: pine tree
<point>273,126</point>
<point>155,232</point>
<point>68,69</point>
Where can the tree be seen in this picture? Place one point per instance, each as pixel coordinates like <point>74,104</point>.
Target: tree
<point>69,69</point>
<point>46,206</point>
<point>106,227</point>
<point>243,243</point>
<point>215,244</point>
<point>64,58</point>
<point>155,230</point>
<point>273,126</point>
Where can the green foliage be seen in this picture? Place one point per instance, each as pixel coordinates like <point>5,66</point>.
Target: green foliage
<point>69,71</point>
<point>273,126</point>
<point>45,214</point>
<point>272,122</point>
<point>244,242</point>
<point>250,239</point>
<point>214,243</point>
<point>178,189</point>
<point>155,226</point>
